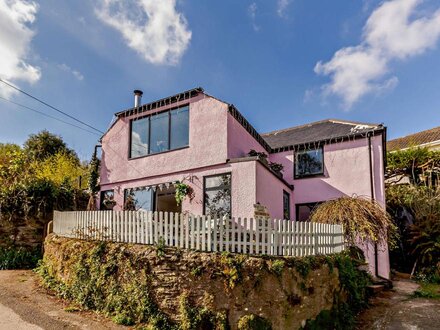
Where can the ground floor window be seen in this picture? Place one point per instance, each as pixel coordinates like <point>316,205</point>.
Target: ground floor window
<point>149,198</point>
<point>286,205</point>
<point>217,195</point>
<point>137,199</point>
<point>107,200</point>
<point>303,211</point>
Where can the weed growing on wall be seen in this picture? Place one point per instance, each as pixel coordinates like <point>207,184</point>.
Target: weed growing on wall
<point>232,268</point>
<point>277,267</point>
<point>192,317</point>
<point>108,281</point>
<point>253,322</point>
<point>354,284</point>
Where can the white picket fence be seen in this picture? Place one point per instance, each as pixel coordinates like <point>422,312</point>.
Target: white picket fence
<point>202,233</point>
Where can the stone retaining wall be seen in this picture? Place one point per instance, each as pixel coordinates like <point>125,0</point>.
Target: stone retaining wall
<point>285,291</point>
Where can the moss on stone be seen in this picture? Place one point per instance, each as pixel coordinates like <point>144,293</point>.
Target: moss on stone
<point>253,322</point>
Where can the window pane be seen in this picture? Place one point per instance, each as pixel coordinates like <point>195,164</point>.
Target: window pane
<point>179,128</point>
<point>286,205</point>
<point>218,195</point>
<point>214,182</point>
<point>309,162</point>
<point>139,137</point>
<point>159,132</point>
<point>303,212</point>
<point>107,200</point>
<point>139,200</point>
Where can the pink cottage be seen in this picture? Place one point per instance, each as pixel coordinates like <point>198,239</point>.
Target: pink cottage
<point>199,140</point>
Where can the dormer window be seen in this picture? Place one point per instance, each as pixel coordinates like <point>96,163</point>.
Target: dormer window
<point>160,132</point>
<point>309,162</point>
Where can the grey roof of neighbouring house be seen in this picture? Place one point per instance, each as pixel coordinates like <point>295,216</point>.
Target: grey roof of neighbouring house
<point>324,130</point>
<point>416,139</point>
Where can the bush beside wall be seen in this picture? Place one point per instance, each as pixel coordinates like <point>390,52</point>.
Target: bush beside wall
<point>169,288</point>
<point>19,258</point>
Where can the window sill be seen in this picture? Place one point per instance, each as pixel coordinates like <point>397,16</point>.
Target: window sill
<point>158,153</point>
<point>311,176</point>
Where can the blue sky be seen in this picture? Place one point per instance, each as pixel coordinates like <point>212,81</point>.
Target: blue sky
<point>282,63</point>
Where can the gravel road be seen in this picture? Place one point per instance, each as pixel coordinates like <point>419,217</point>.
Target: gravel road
<point>24,305</point>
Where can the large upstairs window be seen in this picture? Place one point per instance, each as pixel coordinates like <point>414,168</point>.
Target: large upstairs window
<point>160,132</point>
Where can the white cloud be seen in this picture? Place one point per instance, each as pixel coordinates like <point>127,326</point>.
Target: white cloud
<point>154,29</point>
<point>394,31</point>
<point>78,75</point>
<point>282,6</point>
<point>252,11</point>
<point>15,39</point>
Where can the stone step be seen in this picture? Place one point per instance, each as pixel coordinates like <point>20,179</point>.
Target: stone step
<point>375,288</point>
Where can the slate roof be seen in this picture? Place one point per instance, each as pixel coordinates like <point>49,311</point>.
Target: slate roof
<point>423,137</point>
<point>320,131</point>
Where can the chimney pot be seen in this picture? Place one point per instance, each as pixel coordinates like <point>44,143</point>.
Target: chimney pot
<point>137,97</point>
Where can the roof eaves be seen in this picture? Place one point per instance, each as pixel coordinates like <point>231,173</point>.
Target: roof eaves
<point>336,139</point>
<point>162,102</point>
<point>248,127</point>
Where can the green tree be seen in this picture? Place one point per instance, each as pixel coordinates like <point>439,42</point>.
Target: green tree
<point>93,181</point>
<point>60,168</point>
<point>44,144</point>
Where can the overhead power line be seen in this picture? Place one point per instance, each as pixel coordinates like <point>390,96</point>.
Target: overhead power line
<point>50,106</point>
<point>49,116</point>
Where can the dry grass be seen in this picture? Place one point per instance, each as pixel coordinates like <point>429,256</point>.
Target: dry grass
<point>362,219</point>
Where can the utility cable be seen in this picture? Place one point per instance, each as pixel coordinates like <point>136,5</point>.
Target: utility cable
<point>49,116</point>
<point>50,106</point>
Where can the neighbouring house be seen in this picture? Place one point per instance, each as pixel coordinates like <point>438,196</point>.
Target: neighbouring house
<point>206,143</point>
<point>427,139</point>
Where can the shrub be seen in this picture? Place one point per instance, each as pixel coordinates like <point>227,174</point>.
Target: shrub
<point>18,258</point>
<point>362,219</point>
<point>428,290</point>
<point>354,286</point>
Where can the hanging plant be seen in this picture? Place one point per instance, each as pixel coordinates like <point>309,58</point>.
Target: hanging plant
<point>182,190</point>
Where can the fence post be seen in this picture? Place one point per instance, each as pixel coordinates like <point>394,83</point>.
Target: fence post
<point>214,232</point>
<point>209,233</point>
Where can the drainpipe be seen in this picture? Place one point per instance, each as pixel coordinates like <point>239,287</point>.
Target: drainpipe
<point>370,158</point>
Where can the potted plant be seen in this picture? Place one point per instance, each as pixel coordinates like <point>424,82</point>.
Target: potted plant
<point>261,155</point>
<point>277,168</point>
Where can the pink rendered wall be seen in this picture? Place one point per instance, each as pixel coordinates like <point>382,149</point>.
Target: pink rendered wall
<point>243,189</point>
<point>207,145</point>
<point>270,192</point>
<point>240,142</point>
<point>346,172</point>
